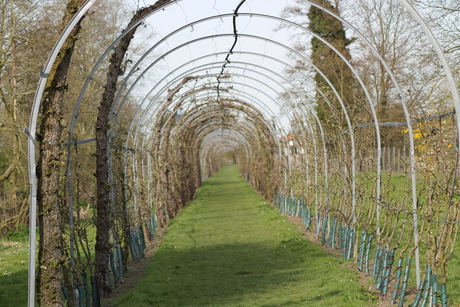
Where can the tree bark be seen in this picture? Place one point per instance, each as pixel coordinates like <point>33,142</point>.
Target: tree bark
<point>102,248</point>
<point>51,256</point>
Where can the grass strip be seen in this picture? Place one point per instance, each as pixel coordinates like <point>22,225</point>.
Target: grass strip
<point>231,248</point>
<point>13,273</point>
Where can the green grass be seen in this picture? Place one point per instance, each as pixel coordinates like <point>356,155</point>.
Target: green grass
<point>13,273</point>
<point>14,261</point>
<point>230,248</point>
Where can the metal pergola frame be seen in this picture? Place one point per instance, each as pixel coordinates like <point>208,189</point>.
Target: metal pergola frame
<point>237,138</point>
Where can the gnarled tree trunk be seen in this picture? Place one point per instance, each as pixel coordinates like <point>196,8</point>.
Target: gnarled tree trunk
<point>102,167</point>
<point>51,255</point>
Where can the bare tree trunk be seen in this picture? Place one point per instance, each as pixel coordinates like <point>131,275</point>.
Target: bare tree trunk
<point>51,256</point>
<point>14,179</point>
<point>102,168</point>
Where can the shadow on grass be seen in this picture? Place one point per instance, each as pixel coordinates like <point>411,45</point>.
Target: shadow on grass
<point>293,273</point>
<point>213,182</point>
<point>13,288</point>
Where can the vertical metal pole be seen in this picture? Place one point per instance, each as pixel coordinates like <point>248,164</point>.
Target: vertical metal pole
<point>70,198</point>
<point>32,222</point>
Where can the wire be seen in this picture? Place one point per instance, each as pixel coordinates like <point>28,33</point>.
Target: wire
<point>227,58</point>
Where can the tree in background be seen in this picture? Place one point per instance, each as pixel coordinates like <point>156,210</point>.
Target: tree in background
<point>389,29</point>
<point>331,64</point>
<point>443,18</point>
<point>327,61</point>
<point>19,64</point>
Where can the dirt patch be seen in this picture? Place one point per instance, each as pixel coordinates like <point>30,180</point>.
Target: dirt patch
<point>8,244</point>
<point>136,270</point>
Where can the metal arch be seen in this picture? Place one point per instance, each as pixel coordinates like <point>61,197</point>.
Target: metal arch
<point>265,56</point>
<point>187,26</point>
<point>206,89</point>
<point>246,93</point>
<point>208,55</point>
<point>265,16</point>
<point>449,77</point>
<point>211,88</point>
<point>330,84</point>
<point>200,117</point>
<point>151,65</point>
<point>126,154</point>
<point>172,50</point>
<point>209,124</point>
<point>189,42</point>
<point>202,38</point>
<point>284,46</point>
<point>204,124</point>
<point>200,138</point>
<point>211,118</point>
<point>201,133</point>
<point>211,139</point>
<point>261,119</point>
<point>178,77</point>
<point>197,114</point>
<point>204,67</point>
<point>269,126</point>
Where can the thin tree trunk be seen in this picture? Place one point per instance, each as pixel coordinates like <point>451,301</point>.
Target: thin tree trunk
<point>14,179</point>
<point>102,248</point>
<point>51,256</point>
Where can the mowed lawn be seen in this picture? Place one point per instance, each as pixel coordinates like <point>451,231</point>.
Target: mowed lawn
<point>230,247</point>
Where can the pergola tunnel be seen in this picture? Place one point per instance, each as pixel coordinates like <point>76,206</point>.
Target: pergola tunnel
<point>317,114</point>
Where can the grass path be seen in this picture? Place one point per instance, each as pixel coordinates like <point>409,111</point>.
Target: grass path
<point>230,248</point>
